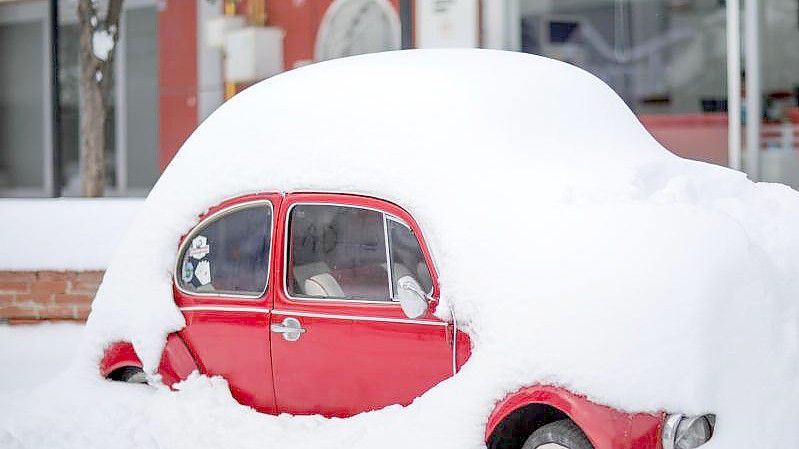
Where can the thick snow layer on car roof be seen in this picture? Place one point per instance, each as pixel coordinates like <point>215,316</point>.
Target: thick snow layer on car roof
<point>574,247</point>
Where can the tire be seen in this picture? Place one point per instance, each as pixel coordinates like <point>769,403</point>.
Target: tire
<point>129,374</point>
<point>563,434</point>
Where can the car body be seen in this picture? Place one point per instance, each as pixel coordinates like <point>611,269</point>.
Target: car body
<point>293,298</point>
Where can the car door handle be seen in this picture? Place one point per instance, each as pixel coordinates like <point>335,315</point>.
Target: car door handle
<point>290,328</point>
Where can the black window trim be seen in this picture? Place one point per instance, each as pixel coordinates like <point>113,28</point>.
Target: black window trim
<point>208,220</point>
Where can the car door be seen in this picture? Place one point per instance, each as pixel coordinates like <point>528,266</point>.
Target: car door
<point>223,285</point>
<point>340,344</point>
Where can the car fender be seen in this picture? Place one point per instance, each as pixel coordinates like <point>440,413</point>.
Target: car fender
<point>117,355</point>
<point>176,363</point>
<point>605,427</point>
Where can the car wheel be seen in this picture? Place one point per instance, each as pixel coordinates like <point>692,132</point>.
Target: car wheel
<point>563,434</point>
<point>129,374</point>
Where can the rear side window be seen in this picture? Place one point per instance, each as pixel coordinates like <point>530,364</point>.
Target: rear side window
<point>347,252</point>
<point>229,254</point>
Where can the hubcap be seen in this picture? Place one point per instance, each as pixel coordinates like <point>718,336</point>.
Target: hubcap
<point>551,446</point>
<point>138,378</point>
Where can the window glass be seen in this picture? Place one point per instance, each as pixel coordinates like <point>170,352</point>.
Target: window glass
<point>229,254</point>
<point>337,252</point>
<point>22,97</point>
<point>407,259</point>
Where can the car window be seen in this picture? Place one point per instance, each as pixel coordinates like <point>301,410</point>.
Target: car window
<point>407,259</point>
<point>230,254</point>
<point>337,252</point>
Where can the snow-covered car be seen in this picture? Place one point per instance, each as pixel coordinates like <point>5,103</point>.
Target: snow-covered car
<point>489,239</point>
<point>322,303</point>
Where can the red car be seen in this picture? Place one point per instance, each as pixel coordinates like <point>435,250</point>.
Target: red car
<point>321,303</point>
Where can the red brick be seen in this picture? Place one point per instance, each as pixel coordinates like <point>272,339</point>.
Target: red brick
<point>6,300</point>
<point>18,312</point>
<point>72,299</point>
<point>58,312</point>
<point>56,275</point>
<point>13,321</point>
<point>82,312</point>
<point>34,298</point>
<point>90,276</point>
<point>17,276</point>
<point>14,287</point>
<point>49,286</point>
<point>89,288</point>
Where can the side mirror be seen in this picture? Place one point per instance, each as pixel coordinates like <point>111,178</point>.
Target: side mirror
<point>411,297</point>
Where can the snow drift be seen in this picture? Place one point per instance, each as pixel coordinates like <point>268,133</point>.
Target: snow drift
<point>575,248</point>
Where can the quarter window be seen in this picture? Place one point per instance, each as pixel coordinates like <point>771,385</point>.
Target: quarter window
<point>230,254</point>
<point>407,258</point>
<point>343,252</point>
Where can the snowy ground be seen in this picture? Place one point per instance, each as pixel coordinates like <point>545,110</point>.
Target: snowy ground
<point>35,354</point>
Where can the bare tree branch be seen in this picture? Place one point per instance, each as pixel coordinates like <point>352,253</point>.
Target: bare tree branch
<point>111,25</point>
<point>112,17</point>
<point>86,10</point>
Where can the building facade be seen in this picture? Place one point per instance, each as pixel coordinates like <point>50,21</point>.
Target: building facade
<point>668,59</point>
<point>672,61</point>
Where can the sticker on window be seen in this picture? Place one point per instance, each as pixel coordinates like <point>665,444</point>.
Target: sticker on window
<point>187,271</point>
<point>203,272</point>
<point>199,247</point>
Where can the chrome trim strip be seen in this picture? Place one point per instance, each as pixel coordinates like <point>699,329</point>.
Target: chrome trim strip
<point>391,292</point>
<point>215,216</point>
<point>357,318</point>
<point>224,309</point>
<point>308,314</point>
<point>400,222</point>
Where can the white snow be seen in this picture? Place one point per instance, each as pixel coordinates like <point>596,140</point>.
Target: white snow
<point>575,248</point>
<point>32,355</point>
<point>64,233</point>
<point>102,44</point>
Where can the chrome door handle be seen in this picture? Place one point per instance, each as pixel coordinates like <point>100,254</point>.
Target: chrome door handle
<point>291,329</point>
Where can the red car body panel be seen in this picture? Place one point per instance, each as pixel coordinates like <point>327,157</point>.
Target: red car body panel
<point>353,356</point>
<point>177,362</point>
<point>605,427</point>
<point>234,345</point>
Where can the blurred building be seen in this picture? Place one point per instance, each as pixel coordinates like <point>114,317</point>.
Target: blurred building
<point>177,61</point>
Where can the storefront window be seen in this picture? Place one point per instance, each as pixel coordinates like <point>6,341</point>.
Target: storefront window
<point>665,58</point>
<point>131,132</point>
<point>779,33</point>
<point>24,146</point>
<point>26,128</point>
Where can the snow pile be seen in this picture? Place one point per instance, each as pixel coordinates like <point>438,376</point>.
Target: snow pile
<point>64,233</point>
<point>34,354</point>
<point>575,248</point>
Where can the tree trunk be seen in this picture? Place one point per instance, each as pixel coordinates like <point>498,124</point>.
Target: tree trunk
<point>92,120</point>
<point>95,79</point>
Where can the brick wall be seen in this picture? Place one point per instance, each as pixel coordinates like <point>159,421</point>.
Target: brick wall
<point>27,296</point>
